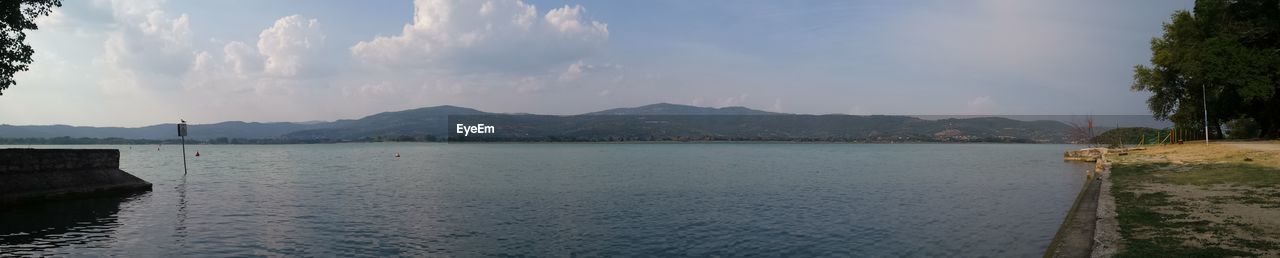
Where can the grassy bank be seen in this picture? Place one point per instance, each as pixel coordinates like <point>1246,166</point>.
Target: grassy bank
<point>1198,201</point>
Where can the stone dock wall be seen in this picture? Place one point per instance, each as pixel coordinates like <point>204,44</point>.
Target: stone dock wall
<point>38,175</point>
<point>1089,228</point>
<point>1106,236</point>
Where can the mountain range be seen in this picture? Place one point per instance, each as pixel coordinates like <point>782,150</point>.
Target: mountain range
<point>662,121</point>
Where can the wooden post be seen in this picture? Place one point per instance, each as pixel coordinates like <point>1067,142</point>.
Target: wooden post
<point>182,133</point>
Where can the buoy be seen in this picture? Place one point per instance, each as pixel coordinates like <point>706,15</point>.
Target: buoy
<point>397,154</point>
<point>197,153</point>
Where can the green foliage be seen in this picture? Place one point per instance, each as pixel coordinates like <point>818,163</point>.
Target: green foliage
<point>15,17</point>
<point>1231,50</point>
<point>1242,128</point>
<point>1127,136</point>
<point>1130,136</point>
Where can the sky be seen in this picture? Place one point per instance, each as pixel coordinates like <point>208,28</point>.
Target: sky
<point>142,62</point>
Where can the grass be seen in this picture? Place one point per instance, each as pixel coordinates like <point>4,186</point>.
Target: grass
<point>1161,225</point>
<point>1151,232</point>
<point>1232,174</point>
<point>1269,200</point>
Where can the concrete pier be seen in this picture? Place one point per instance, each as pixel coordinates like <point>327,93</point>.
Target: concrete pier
<point>38,175</point>
<point>1089,226</point>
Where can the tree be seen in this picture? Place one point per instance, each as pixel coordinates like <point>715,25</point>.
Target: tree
<point>1082,132</point>
<point>1229,49</point>
<point>1243,128</point>
<point>16,16</point>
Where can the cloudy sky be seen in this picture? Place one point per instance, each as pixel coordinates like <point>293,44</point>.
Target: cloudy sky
<point>135,63</point>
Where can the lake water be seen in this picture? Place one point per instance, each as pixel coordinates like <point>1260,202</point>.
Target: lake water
<point>567,200</point>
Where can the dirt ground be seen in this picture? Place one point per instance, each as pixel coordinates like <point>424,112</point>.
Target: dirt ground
<point>1193,199</point>
<point>1262,146</point>
<point>1261,153</point>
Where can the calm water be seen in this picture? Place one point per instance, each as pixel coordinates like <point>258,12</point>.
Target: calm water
<point>568,200</point>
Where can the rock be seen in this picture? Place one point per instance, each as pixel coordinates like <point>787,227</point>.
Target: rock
<point>1089,155</point>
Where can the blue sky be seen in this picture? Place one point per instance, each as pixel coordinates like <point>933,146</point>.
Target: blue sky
<point>135,63</point>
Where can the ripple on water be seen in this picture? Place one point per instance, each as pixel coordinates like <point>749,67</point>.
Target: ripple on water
<point>568,200</point>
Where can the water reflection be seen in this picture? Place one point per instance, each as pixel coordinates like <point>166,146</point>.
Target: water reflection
<point>31,229</point>
<point>180,228</point>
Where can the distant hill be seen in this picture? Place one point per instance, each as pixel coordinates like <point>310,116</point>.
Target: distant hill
<point>674,109</point>
<point>232,129</point>
<point>661,121</point>
<point>419,122</point>
<point>774,127</point>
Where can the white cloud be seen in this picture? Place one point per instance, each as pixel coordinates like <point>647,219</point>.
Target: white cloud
<point>496,37</point>
<point>574,72</point>
<point>55,18</point>
<point>142,54</point>
<point>288,44</point>
<point>209,74</point>
<point>459,50</point>
<point>149,48</point>
<point>568,20</point>
<point>580,69</point>
<point>244,60</point>
<point>277,65</point>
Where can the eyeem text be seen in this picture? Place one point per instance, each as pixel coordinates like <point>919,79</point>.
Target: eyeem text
<point>466,130</point>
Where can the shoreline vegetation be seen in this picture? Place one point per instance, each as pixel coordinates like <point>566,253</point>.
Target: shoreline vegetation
<point>1197,200</point>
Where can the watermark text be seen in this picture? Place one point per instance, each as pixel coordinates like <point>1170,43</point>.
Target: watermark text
<point>466,130</point>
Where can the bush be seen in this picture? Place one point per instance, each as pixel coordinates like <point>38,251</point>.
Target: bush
<point>1243,128</point>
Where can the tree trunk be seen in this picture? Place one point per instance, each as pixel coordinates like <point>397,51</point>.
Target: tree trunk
<point>1215,129</point>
